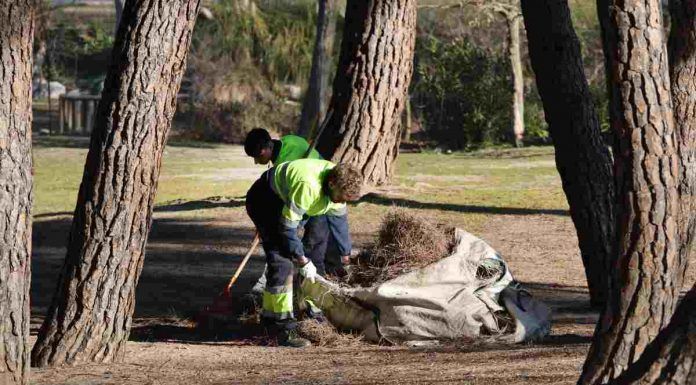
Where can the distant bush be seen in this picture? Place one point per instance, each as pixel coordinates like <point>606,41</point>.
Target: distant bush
<point>461,93</point>
<point>240,63</point>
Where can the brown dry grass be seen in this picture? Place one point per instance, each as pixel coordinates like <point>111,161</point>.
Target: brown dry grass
<point>324,334</point>
<point>404,242</point>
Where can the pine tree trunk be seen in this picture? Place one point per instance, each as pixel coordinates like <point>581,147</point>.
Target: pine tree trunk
<point>317,95</point>
<point>513,24</point>
<point>16,38</point>
<point>682,54</point>
<point>671,358</point>
<point>371,86</point>
<point>582,159</point>
<point>90,317</point>
<point>645,281</point>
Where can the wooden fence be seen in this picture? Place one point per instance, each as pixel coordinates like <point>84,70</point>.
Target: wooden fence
<point>76,114</point>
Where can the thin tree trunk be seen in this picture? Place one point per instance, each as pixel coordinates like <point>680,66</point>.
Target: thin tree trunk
<point>317,95</point>
<point>408,122</point>
<point>645,280</point>
<point>582,159</point>
<point>513,24</point>
<point>90,317</point>
<point>16,38</point>
<point>682,54</point>
<point>371,86</point>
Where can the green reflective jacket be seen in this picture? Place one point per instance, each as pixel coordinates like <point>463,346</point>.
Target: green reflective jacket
<point>293,147</point>
<point>300,185</point>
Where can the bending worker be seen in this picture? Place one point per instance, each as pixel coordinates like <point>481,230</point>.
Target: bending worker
<point>276,203</point>
<point>259,145</point>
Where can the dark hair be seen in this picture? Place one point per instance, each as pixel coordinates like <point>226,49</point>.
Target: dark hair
<point>256,140</point>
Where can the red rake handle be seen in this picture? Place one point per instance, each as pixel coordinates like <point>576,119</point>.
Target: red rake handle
<point>254,244</point>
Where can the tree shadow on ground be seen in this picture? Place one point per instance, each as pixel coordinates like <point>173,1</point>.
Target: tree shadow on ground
<point>82,141</point>
<point>178,205</point>
<point>384,200</point>
<point>187,264</point>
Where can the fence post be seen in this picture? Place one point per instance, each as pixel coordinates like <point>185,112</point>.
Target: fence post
<point>61,114</point>
<point>77,116</point>
<point>69,115</point>
<point>89,115</point>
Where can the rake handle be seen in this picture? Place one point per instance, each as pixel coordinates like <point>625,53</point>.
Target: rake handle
<point>254,244</point>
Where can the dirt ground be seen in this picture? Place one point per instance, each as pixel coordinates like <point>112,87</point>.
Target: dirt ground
<point>163,352</point>
<point>195,245</point>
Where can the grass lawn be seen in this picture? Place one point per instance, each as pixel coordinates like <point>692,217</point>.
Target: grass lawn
<point>491,179</point>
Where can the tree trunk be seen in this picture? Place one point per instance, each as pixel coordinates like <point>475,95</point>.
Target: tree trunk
<point>90,317</point>
<point>513,24</point>
<point>371,86</point>
<point>317,95</point>
<point>671,358</point>
<point>645,281</point>
<point>16,37</point>
<point>582,159</point>
<point>408,121</point>
<point>682,54</point>
<point>118,5</point>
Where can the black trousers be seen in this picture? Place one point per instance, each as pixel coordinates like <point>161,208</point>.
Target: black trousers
<point>264,208</point>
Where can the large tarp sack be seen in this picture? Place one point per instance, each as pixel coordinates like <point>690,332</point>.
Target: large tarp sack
<point>469,294</point>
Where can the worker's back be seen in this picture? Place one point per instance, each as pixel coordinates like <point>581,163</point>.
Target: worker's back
<point>294,147</point>
<point>300,185</point>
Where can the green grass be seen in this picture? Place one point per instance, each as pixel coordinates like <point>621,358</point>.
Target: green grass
<point>460,188</point>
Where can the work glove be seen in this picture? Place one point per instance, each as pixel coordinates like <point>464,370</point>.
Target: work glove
<point>309,271</point>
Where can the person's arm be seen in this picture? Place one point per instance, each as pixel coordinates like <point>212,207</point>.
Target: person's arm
<point>299,199</point>
<point>338,226</point>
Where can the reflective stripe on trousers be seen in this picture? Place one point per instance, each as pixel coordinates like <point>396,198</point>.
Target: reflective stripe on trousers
<point>277,303</point>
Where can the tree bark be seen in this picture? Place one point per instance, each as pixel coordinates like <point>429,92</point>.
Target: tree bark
<point>317,95</point>
<point>513,25</point>
<point>671,358</point>
<point>645,280</point>
<point>90,317</point>
<point>370,87</point>
<point>16,37</point>
<point>682,54</point>
<point>582,159</point>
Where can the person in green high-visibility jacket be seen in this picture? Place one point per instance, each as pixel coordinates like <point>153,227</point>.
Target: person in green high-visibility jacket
<point>277,203</point>
<point>259,145</point>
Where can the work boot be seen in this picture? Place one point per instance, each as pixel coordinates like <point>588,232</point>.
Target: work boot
<point>290,339</point>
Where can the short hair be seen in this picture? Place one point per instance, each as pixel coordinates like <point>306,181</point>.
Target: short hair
<point>256,140</point>
<point>347,179</point>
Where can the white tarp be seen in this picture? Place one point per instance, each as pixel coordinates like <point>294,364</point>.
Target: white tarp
<point>456,297</point>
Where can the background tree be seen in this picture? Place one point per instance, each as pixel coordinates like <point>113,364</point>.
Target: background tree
<point>370,87</point>
<point>317,95</point>
<point>645,280</point>
<point>582,159</point>
<point>682,54</point>
<point>16,38</point>
<point>90,317</point>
